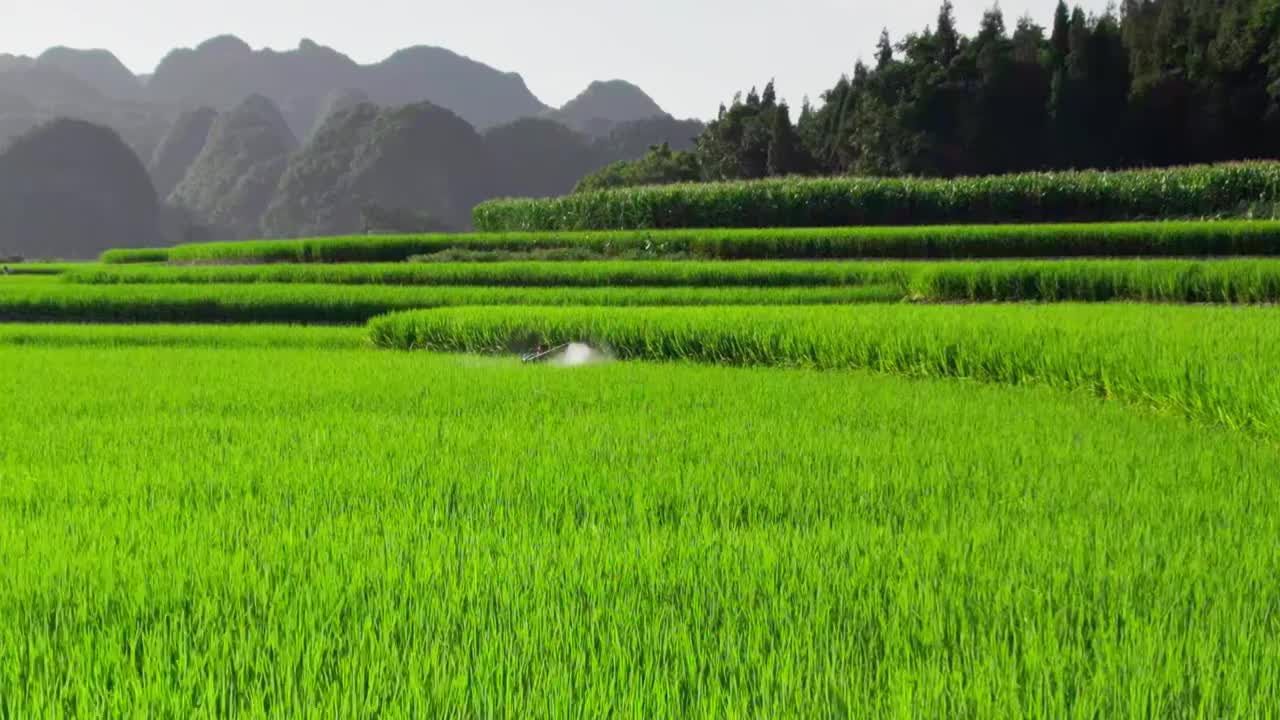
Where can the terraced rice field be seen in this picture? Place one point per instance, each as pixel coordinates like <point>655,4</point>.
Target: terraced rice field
<point>788,488</point>
<point>1231,280</point>
<point>261,530</point>
<point>1120,239</point>
<point>48,300</point>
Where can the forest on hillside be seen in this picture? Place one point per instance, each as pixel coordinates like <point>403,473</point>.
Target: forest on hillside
<point>1151,83</point>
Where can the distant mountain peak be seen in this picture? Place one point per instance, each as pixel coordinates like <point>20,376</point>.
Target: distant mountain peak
<point>8,61</point>
<point>99,69</point>
<point>420,158</point>
<point>223,70</point>
<point>225,45</point>
<point>70,189</point>
<point>180,148</point>
<point>606,104</point>
<point>336,102</point>
<point>230,183</point>
<point>615,84</point>
<point>259,109</point>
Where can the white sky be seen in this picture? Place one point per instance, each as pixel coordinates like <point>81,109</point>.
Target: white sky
<point>688,54</point>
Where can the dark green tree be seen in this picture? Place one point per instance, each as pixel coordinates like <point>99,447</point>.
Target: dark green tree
<point>769,99</point>
<point>1160,82</point>
<point>946,38</point>
<point>661,166</point>
<point>785,152</point>
<point>1059,41</point>
<point>884,50</point>
<point>736,145</point>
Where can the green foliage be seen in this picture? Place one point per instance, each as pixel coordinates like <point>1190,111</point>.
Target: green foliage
<point>135,255</point>
<point>751,140</point>
<point>633,139</point>
<point>1217,364</point>
<point>660,166</point>
<point>1204,79</point>
<point>342,533</point>
<point>1155,82</point>
<point>785,152</point>
<point>1197,191</point>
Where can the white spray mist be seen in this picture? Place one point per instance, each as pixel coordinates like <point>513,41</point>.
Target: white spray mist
<point>579,354</point>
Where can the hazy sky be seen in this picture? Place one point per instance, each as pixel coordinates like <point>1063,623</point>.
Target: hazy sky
<point>688,54</point>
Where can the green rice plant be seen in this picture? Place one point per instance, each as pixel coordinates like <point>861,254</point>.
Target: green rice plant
<point>1251,280</point>
<point>578,253</point>
<point>242,532</point>
<point>517,274</point>
<point>1090,196</point>
<point>135,255</point>
<point>1217,364</point>
<point>41,268</point>
<point>1178,281</point>
<point>185,336</point>
<point>1190,238</point>
<point>303,303</point>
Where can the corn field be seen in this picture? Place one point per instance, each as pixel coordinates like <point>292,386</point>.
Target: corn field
<point>1062,197</point>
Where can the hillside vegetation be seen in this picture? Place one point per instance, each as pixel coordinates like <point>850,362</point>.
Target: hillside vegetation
<point>179,149</point>
<point>418,157</point>
<point>232,181</point>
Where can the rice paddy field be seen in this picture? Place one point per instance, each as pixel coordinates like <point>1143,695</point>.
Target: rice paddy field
<point>790,487</point>
<point>52,301</point>
<point>1189,238</point>
<point>1230,280</point>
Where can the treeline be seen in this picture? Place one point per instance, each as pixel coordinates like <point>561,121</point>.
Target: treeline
<point>1156,83</point>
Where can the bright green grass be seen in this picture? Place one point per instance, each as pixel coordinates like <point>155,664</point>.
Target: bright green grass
<point>1221,364</point>
<point>203,532</point>
<point>1174,238</point>
<point>46,299</point>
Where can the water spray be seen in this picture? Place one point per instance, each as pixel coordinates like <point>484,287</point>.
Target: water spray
<point>574,354</point>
